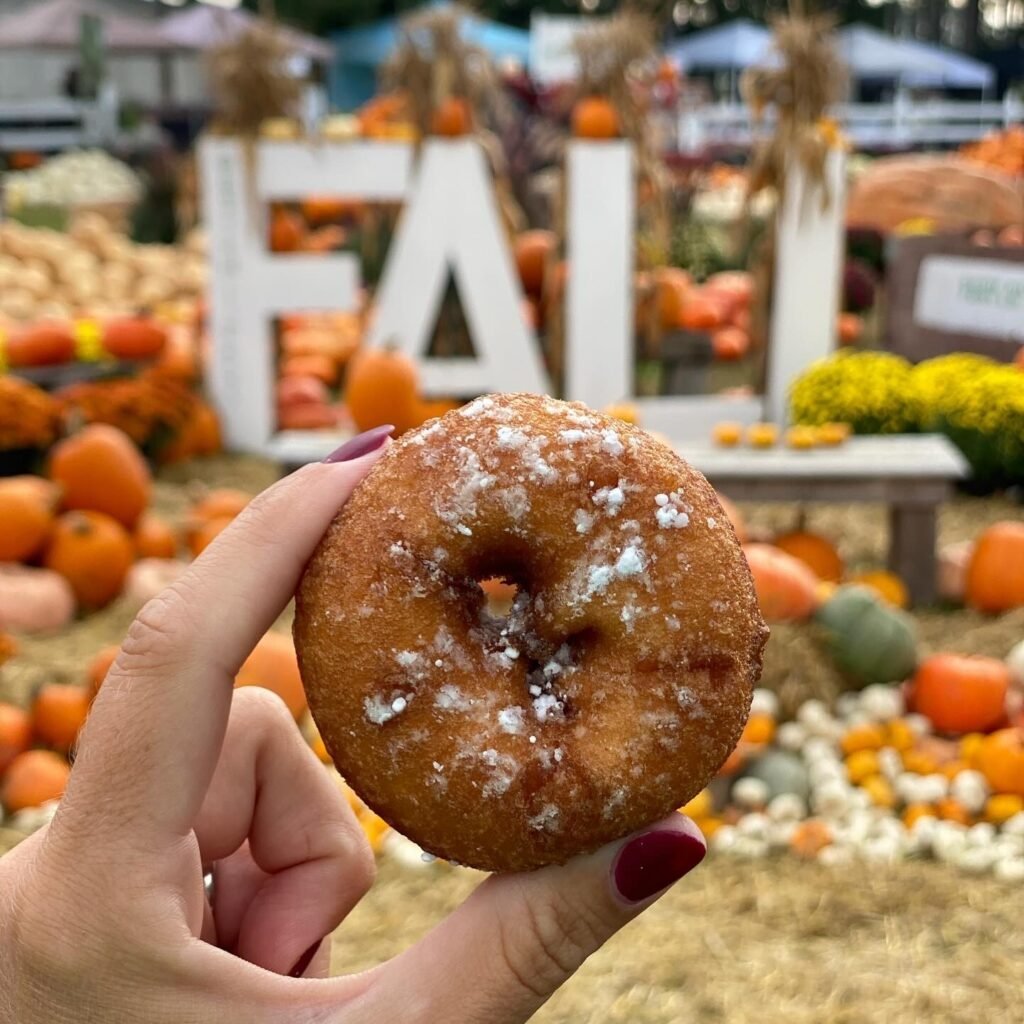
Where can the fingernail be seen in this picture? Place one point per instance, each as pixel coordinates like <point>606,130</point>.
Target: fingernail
<point>361,444</point>
<point>651,862</point>
<point>302,964</point>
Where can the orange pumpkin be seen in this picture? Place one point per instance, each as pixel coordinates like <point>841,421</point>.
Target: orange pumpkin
<point>435,408</point>
<point>1001,760</point>
<point>101,470</point>
<point>810,837</point>
<point>312,416</point>
<point>730,344</point>
<point>274,665</point>
<point>34,778</point>
<point>93,552</point>
<point>327,209</point>
<point>206,533</point>
<point>961,693</point>
<point>15,734</point>
<point>26,517</point>
<point>223,501</point>
<point>995,574</point>
<point>594,117</point>
<point>815,551</point>
<point>48,343</point>
<point>98,668</point>
<point>849,328</point>
<point>154,538</point>
<point>671,293</point>
<point>702,312</point>
<point>382,386</point>
<point>533,250</point>
<point>329,238</point>
<point>58,714</point>
<point>887,585</point>
<point>287,232</point>
<point>786,588</point>
<point>134,338</point>
<point>452,118</point>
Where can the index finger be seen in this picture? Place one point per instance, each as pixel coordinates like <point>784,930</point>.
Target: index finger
<point>153,740</point>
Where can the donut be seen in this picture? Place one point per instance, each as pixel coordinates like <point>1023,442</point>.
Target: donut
<point>608,696</point>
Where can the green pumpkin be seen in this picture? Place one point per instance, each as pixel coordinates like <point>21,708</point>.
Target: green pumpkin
<point>870,642</point>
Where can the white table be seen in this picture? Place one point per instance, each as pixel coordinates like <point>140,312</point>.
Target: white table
<point>911,473</point>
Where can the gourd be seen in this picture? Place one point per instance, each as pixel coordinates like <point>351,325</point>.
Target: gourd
<point>870,643</point>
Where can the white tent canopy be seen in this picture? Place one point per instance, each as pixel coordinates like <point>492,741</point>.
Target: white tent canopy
<point>57,25</point>
<point>872,54</point>
<point>731,47</point>
<point>204,27</point>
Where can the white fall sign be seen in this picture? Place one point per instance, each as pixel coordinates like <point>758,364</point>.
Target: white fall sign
<point>450,228</point>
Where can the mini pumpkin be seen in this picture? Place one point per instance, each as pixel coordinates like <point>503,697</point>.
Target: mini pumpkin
<point>995,574</point>
<point>154,538</point>
<point>93,552</point>
<point>134,338</point>
<point>34,600</point>
<point>274,665</point>
<point>959,693</point>
<point>34,778</point>
<point>48,343</point>
<point>1001,761</point>
<point>595,117</point>
<point>452,118</point>
<point>26,517</point>
<point>101,470</point>
<point>15,734</point>
<point>786,588</point>
<point>58,713</point>
<point>870,642</point>
<point>887,585</point>
<point>382,386</point>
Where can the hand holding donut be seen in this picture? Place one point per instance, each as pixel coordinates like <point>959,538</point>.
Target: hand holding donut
<point>104,916</point>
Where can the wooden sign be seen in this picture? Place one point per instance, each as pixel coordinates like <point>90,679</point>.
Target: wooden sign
<point>947,295</point>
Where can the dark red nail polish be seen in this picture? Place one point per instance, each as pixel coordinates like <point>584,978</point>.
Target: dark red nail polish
<point>649,863</point>
<point>302,964</point>
<point>361,444</point>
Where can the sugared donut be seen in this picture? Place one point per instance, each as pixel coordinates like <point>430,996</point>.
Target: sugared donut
<point>609,696</point>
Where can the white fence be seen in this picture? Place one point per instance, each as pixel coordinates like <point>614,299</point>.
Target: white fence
<point>900,124</point>
<point>54,124</point>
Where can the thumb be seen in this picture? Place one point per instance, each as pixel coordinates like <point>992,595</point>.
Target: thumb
<point>506,950</point>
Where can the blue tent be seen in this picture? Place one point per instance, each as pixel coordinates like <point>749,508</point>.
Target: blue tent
<point>730,47</point>
<point>359,52</point>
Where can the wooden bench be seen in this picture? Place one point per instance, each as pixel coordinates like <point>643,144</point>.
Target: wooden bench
<point>912,474</point>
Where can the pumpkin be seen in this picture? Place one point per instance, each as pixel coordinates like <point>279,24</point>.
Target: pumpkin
<point>9,648</point>
<point>101,470</point>
<point>149,577</point>
<point>702,311</point>
<point>730,344</point>
<point>532,251</point>
<point>154,538</point>
<point>15,734</point>
<point>671,293</point>
<point>1001,761</point>
<point>887,585</point>
<point>218,503</point>
<point>816,552</point>
<point>98,668</point>
<point>728,435</point>
<point>786,588</point>
<point>134,338</point>
<point>47,343</point>
<point>451,118</point>
<point>595,117</point>
<point>869,642</point>
<point>735,286</point>
<point>307,417</point>
<point>382,386</point>
<point>849,328</point>
<point>93,552</point>
<point>833,434</point>
<point>325,209</point>
<point>960,693</point>
<point>26,517</point>
<point>294,391</point>
<point>802,438</point>
<point>810,837</point>
<point>273,664</point>
<point>434,408</point>
<point>735,517</point>
<point>206,533</point>
<point>325,239</point>
<point>995,574</point>
<point>782,772</point>
<point>34,600</point>
<point>287,232</point>
<point>762,435</point>
<point>34,778</point>
<point>58,714</point>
